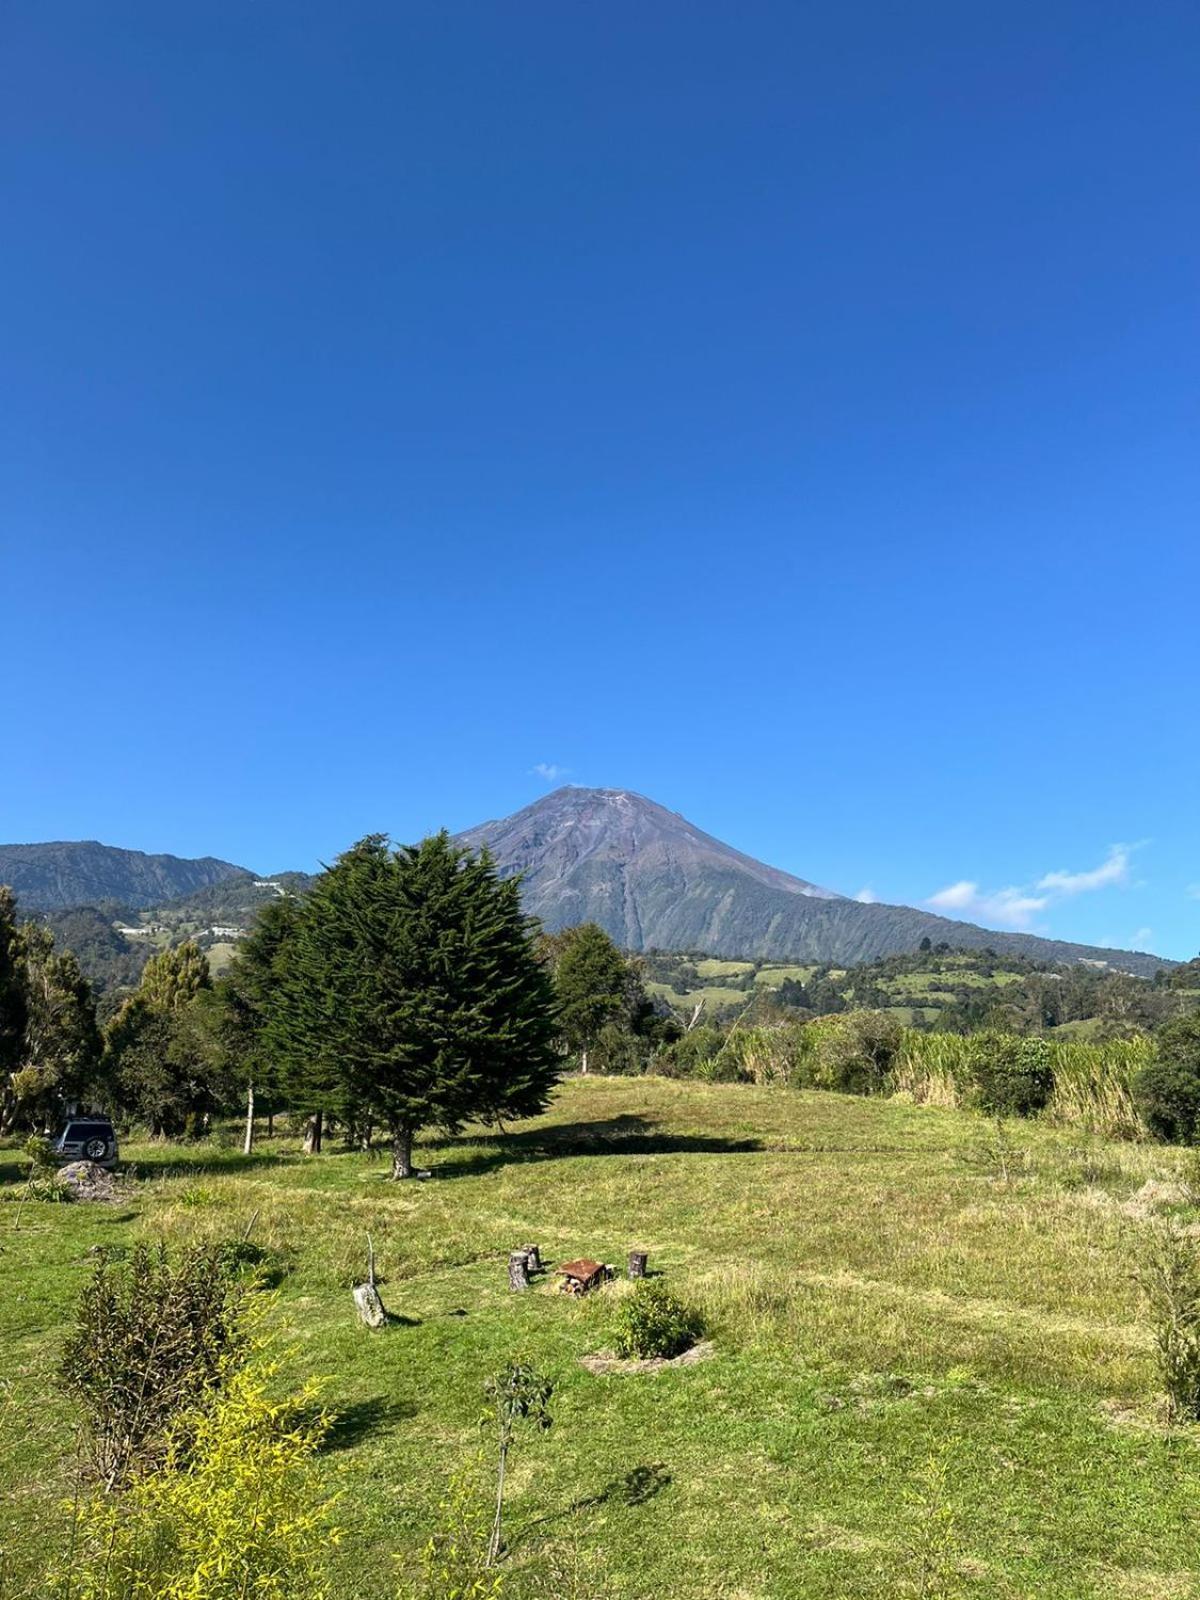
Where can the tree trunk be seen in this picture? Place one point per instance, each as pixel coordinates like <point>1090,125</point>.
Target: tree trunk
<point>518,1269</point>
<point>495,1544</point>
<point>583,1059</point>
<point>270,1124</point>
<point>248,1140</point>
<point>637,1263</point>
<point>313,1129</point>
<point>402,1166</point>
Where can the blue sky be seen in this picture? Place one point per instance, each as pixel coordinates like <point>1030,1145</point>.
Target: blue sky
<point>787,411</point>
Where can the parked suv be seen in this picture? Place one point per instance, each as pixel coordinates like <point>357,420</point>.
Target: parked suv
<point>87,1139</point>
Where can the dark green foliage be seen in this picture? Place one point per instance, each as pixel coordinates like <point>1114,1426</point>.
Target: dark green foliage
<point>61,1046</point>
<point>162,1048</point>
<point>590,983</point>
<point>1168,1088</point>
<point>12,1002</point>
<point>151,1338</point>
<point>1013,1077</point>
<point>654,1323</point>
<point>409,993</point>
<point>856,1052</point>
<point>691,1053</point>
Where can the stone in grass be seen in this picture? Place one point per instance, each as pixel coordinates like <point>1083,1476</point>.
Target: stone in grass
<point>84,1180</point>
<point>367,1301</point>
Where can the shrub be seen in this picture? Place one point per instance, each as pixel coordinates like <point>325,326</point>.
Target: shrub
<point>234,1509</point>
<point>150,1339</point>
<point>855,1052</point>
<point>1169,1276</point>
<point>1013,1076</point>
<point>1167,1088</point>
<point>653,1322</point>
<point>689,1055</point>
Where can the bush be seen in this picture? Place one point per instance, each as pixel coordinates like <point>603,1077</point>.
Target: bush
<point>653,1323</point>
<point>855,1052</point>
<point>1167,1089</point>
<point>690,1056</point>
<point>235,1509</point>
<point>1012,1076</point>
<point>150,1340</point>
<point>1169,1275</point>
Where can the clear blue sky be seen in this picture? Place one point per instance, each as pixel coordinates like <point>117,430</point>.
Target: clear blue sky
<point>786,410</point>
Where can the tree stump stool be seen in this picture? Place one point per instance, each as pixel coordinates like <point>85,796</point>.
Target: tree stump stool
<point>637,1263</point>
<point>518,1270</point>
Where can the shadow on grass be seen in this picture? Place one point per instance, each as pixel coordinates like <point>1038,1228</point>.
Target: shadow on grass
<point>636,1487</point>
<point>626,1135</point>
<point>357,1421</point>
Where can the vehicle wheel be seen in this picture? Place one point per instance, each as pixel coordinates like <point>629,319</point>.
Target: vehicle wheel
<point>96,1149</point>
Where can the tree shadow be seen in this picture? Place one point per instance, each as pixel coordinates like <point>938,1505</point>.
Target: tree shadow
<point>637,1487</point>
<point>625,1135</point>
<point>357,1421</point>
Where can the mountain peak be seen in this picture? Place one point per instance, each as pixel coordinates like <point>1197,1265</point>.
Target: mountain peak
<point>653,879</point>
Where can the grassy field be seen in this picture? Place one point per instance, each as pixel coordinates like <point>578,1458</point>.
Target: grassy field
<point>930,1378</point>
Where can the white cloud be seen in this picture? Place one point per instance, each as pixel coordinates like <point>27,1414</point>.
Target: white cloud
<point>1017,906</point>
<point>866,895</point>
<point>1141,939</point>
<point>550,770</point>
<point>1194,890</point>
<point>1012,908</point>
<point>1113,870</point>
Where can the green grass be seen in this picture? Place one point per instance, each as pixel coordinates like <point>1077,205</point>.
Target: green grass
<point>712,968</point>
<point>714,996</point>
<point>905,1342</point>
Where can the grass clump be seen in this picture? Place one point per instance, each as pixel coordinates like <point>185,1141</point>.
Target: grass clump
<point>655,1324</point>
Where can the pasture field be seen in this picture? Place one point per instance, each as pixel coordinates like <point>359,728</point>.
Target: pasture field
<point>931,1375</point>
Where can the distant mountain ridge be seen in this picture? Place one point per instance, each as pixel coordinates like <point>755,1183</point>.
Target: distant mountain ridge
<point>651,878</point>
<point>66,873</point>
<point>654,881</point>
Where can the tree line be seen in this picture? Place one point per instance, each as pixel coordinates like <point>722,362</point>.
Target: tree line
<point>404,988</point>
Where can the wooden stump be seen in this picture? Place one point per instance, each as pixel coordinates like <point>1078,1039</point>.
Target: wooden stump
<point>518,1270</point>
<point>533,1257</point>
<point>370,1306</point>
<point>637,1263</point>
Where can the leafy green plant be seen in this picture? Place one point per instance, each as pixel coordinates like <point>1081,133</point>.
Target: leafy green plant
<point>653,1323</point>
<point>518,1393</point>
<point>234,1509</point>
<point>1013,1076</point>
<point>454,1561</point>
<point>1167,1088</point>
<point>150,1338</point>
<point>855,1053</point>
<point>1169,1276</point>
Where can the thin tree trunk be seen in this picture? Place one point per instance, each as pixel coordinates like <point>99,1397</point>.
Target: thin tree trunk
<point>270,1124</point>
<point>495,1544</point>
<point>402,1166</point>
<point>583,1059</point>
<point>248,1140</point>
<point>312,1134</point>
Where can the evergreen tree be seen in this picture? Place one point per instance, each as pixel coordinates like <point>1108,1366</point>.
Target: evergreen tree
<point>410,994</point>
<point>161,1047</point>
<point>60,1044</point>
<point>12,1004</point>
<point>244,993</point>
<point>591,984</point>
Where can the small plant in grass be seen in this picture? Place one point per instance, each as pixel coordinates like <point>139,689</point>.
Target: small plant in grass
<point>151,1337</point>
<point>453,1563</point>
<point>515,1395</point>
<point>1169,1277</point>
<point>653,1323</point>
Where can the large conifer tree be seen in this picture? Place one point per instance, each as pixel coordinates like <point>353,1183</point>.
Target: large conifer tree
<point>412,995</point>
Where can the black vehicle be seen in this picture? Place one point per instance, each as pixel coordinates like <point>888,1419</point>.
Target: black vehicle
<point>87,1139</point>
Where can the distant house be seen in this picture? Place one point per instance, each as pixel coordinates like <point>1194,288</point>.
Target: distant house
<point>141,930</point>
<point>226,933</point>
